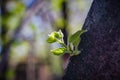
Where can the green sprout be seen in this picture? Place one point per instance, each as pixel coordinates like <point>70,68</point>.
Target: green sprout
<point>72,44</point>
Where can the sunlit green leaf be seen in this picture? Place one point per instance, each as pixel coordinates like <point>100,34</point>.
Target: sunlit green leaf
<point>75,38</point>
<point>75,53</point>
<point>76,43</point>
<point>54,36</point>
<point>51,39</point>
<point>60,34</point>
<point>59,51</point>
<point>57,34</point>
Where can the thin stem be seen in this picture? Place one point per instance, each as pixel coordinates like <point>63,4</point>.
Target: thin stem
<point>62,43</point>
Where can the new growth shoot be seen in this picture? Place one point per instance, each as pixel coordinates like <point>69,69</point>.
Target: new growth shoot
<point>72,44</point>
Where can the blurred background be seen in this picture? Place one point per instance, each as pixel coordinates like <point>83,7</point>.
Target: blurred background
<point>24,28</point>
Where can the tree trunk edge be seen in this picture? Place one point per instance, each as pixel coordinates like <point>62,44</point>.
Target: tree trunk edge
<point>102,38</point>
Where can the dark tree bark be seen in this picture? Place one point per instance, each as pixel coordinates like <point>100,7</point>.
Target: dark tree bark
<point>100,56</point>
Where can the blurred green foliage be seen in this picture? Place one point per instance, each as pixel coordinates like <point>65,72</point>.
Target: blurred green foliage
<point>10,74</point>
<point>32,37</point>
<point>16,11</point>
<point>57,4</point>
<point>12,19</point>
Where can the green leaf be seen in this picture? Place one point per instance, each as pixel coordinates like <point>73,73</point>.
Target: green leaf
<point>57,35</point>
<point>54,36</point>
<point>51,39</point>
<point>75,38</point>
<point>60,34</point>
<point>76,41</point>
<point>75,53</point>
<point>59,51</point>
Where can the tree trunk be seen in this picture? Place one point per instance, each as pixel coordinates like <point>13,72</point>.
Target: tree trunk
<point>100,45</point>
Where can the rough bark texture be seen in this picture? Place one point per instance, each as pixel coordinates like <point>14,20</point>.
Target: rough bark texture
<point>100,56</point>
